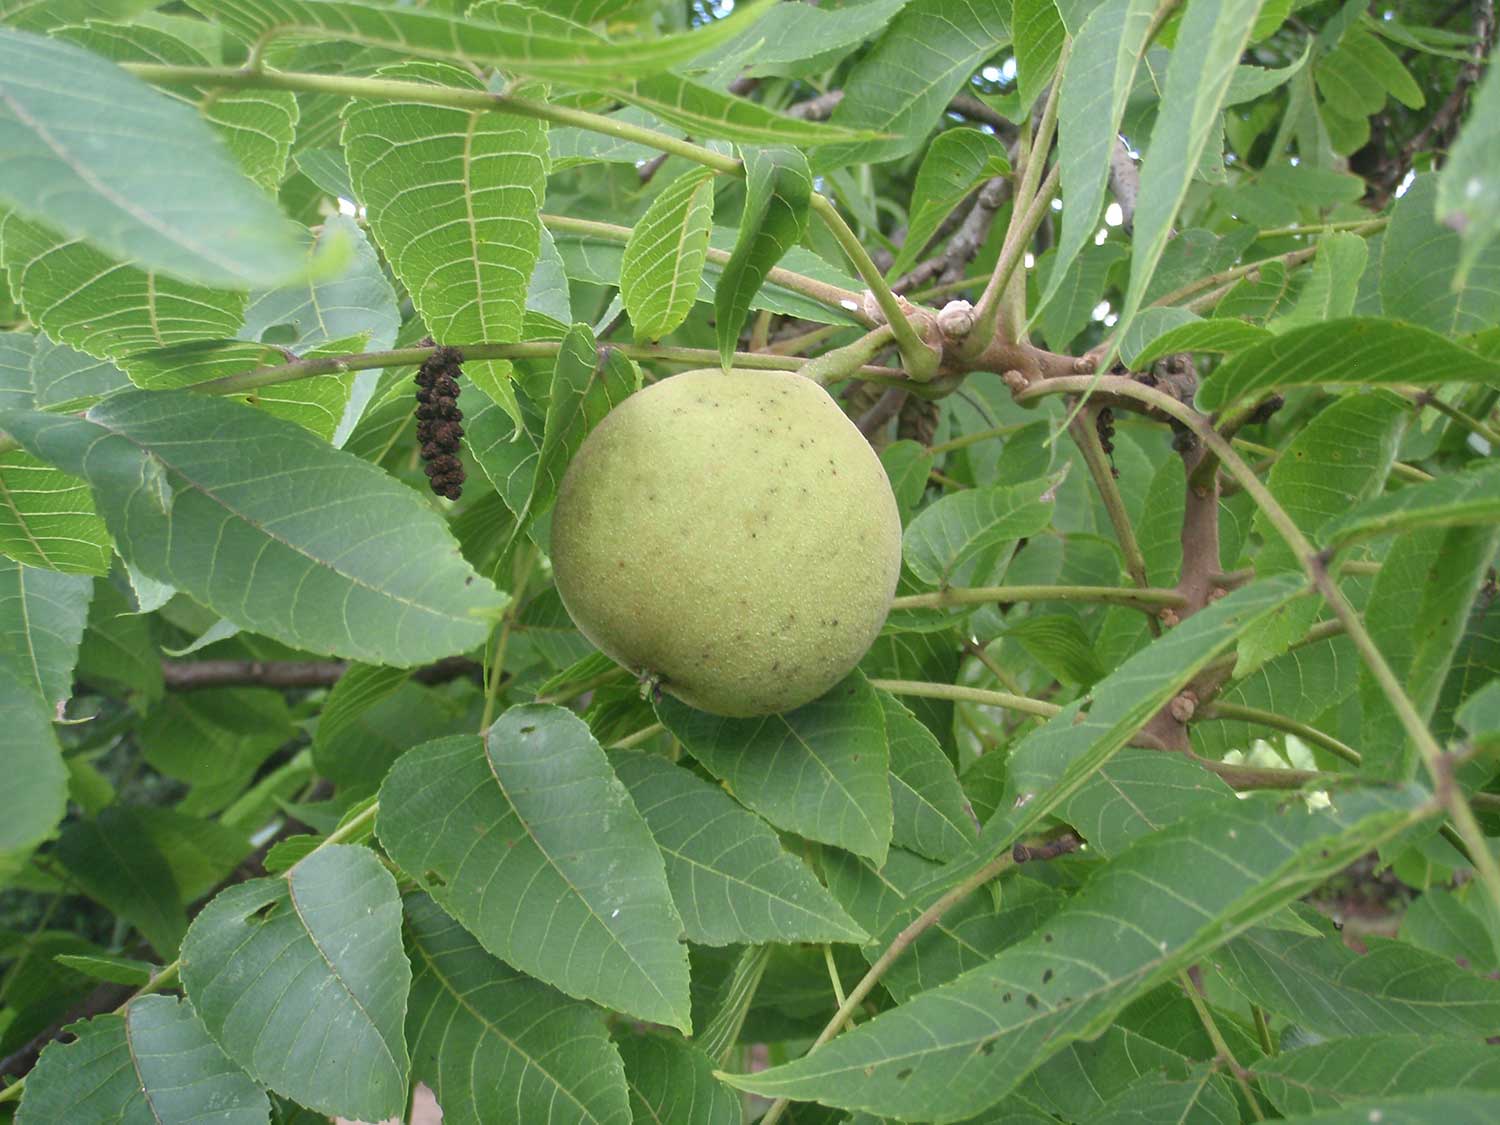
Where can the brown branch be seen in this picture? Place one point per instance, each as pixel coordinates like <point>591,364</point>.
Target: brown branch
<point>819,108</point>
<point>886,407</point>
<point>966,105</point>
<point>970,235</point>
<point>194,675</point>
<point>1065,844</point>
<point>1124,182</point>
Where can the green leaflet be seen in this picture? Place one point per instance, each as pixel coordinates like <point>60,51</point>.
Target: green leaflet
<point>663,261</point>
<point>188,211</point>
<point>778,189</point>
<point>177,474</point>
<point>530,841</point>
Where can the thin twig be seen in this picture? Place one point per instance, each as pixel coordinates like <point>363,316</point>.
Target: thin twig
<point>915,929</point>
<point>1148,599</point>
<point>1235,712</point>
<point>1216,1037</point>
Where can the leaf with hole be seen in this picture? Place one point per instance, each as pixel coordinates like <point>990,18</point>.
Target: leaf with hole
<point>152,1062</point>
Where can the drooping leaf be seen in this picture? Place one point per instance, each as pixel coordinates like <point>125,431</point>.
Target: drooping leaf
<point>1352,352</point>
<point>930,815</point>
<point>36,373</point>
<point>45,15</point>
<point>47,518</point>
<point>456,212</point>
<point>236,508</point>
<point>1070,309</point>
<point>36,796</point>
<point>1327,988</point>
<point>730,878</point>
<point>957,162</point>
<point>586,385</point>
<point>705,112</point>
<point>673,1083</point>
<point>199,852</point>
<point>528,839</point>
<point>1101,69</point>
<point>956,1049</point>
<point>215,739</point>
<point>1210,39</point>
<point>1148,326</point>
<point>945,535</point>
<point>903,84</point>
<point>1218,335</point>
<point>152,1063</point>
<point>778,188</point>
<point>1058,643</point>
<point>187,211</point>
<point>663,261</point>
<point>595,258</point>
<point>1324,1075</point>
<point>820,770</point>
<point>118,310</point>
<point>278,968</point>
<point>542,1056</point>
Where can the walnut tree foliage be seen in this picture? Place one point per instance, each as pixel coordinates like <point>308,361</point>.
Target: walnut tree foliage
<point>1168,792</point>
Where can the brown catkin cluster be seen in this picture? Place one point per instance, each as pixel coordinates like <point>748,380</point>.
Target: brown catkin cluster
<point>438,418</point>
